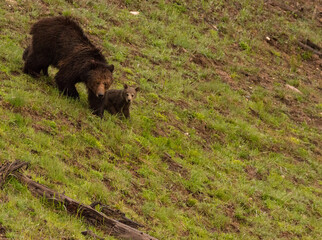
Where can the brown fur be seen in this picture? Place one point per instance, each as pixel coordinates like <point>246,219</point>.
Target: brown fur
<point>119,101</point>
<point>60,42</point>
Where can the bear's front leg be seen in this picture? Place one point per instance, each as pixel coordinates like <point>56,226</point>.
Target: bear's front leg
<point>70,91</point>
<point>99,112</point>
<point>126,112</point>
<point>96,104</point>
<point>67,87</point>
<point>111,109</point>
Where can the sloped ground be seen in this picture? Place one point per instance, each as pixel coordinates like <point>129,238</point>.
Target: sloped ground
<point>225,137</point>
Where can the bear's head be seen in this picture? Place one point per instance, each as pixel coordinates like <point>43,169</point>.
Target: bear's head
<point>99,79</point>
<point>129,93</point>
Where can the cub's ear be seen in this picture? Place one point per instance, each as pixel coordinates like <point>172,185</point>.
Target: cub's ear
<point>110,67</point>
<point>137,89</point>
<point>125,86</point>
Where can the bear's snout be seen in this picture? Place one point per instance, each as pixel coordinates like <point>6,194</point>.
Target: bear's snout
<point>100,91</point>
<point>128,98</point>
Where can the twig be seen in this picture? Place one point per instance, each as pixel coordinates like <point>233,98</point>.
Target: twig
<point>308,48</point>
<point>313,45</point>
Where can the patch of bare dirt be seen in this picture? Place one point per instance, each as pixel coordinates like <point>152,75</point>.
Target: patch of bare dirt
<point>178,193</point>
<point>108,183</point>
<point>3,198</point>
<point>2,233</point>
<point>72,161</point>
<point>207,133</point>
<point>297,114</point>
<point>227,79</point>
<point>252,173</point>
<point>297,181</point>
<point>233,226</point>
<point>203,60</point>
<point>90,152</point>
<point>174,166</point>
<point>118,3</point>
<point>47,130</point>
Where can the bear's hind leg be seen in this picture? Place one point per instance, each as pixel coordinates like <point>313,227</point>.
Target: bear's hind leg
<point>30,69</point>
<point>34,64</point>
<point>45,71</point>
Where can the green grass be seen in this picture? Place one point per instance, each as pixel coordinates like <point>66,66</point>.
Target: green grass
<point>245,150</point>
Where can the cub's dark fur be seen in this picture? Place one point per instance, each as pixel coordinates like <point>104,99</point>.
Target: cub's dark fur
<point>119,101</point>
<point>60,42</point>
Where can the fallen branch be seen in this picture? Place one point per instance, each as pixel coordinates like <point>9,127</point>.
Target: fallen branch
<point>8,168</point>
<point>116,214</point>
<point>313,45</point>
<point>110,226</point>
<point>309,48</point>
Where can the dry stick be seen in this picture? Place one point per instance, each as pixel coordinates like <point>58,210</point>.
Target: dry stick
<point>313,45</point>
<point>94,217</point>
<point>116,214</point>
<point>8,168</point>
<point>308,48</point>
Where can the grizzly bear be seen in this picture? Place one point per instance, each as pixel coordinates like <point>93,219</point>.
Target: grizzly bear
<point>119,101</point>
<point>61,42</point>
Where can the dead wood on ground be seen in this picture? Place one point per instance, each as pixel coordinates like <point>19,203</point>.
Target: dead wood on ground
<point>116,214</point>
<point>310,46</point>
<point>107,224</point>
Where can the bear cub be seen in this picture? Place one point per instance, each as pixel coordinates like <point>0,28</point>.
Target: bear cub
<point>119,101</point>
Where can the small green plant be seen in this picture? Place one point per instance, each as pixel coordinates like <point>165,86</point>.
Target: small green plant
<point>276,53</point>
<point>17,101</point>
<point>295,62</point>
<point>245,46</point>
<point>294,82</point>
<point>306,55</point>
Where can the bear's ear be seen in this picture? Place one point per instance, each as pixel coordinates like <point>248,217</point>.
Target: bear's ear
<point>137,89</point>
<point>110,67</point>
<point>125,86</point>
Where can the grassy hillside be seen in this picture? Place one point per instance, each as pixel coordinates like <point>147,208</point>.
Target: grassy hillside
<point>219,146</point>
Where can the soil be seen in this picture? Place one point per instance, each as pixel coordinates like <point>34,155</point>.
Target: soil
<point>252,173</point>
<point>174,166</point>
<point>2,233</point>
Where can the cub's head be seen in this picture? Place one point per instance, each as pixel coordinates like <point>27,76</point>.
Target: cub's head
<point>129,93</point>
<point>99,79</point>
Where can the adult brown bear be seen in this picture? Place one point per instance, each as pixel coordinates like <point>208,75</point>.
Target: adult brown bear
<point>60,42</point>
